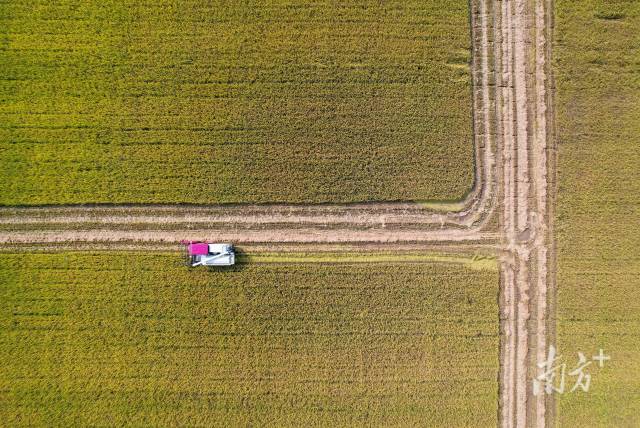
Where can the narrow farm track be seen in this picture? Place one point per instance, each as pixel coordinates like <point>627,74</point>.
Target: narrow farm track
<point>314,234</point>
<point>525,109</point>
<point>508,213</point>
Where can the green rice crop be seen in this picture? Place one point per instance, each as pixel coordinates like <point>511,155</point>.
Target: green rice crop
<point>597,57</point>
<point>226,101</point>
<point>137,339</point>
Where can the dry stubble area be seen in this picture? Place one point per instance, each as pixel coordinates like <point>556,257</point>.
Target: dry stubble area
<point>227,101</point>
<point>597,57</point>
<point>108,338</point>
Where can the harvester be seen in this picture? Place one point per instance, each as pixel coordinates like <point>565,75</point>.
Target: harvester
<point>206,254</point>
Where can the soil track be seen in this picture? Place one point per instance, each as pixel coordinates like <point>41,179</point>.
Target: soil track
<point>522,40</point>
<point>514,165</point>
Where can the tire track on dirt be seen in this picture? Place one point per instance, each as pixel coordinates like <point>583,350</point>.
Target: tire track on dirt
<point>525,109</point>
<point>302,235</point>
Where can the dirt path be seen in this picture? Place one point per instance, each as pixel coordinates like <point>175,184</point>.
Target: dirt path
<point>525,108</point>
<point>298,235</point>
<point>507,213</point>
<point>371,214</point>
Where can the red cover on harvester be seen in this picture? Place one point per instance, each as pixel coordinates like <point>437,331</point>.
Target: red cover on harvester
<point>199,249</point>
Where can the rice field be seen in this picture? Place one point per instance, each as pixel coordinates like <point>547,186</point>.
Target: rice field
<point>226,101</point>
<point>137,339</point>
<point>598,106</point>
